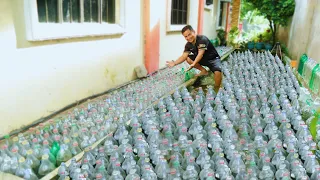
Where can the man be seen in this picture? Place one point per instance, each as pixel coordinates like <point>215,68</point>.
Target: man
<point>199,52</point>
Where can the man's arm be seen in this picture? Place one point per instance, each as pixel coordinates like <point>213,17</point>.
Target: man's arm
<point>197,60</point>
<point>182,58</point>
<point>199,56</point>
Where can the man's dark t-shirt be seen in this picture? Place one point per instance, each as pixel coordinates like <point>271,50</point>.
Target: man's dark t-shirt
<point>202,42</point>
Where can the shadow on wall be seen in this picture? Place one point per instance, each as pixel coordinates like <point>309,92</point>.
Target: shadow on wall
<point>20,30</point>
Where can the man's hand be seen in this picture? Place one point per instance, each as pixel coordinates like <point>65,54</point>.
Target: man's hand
<point>170,63</point>
<point>190,67</point>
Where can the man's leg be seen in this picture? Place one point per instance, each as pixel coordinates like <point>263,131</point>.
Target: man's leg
<point>199,67</point>
<point>217,80</point>
<point>215,67</point>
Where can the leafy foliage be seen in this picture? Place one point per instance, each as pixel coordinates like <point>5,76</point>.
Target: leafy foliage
<point>221,33</point>
<point>233,33</point>
<point>277,12</point>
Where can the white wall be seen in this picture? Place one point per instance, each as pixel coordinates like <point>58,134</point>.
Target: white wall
<point>210,20</point>
<point>172,43</point>
<point>41,77</point>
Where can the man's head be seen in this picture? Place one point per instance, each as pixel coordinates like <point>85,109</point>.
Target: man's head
<point>188,33</point>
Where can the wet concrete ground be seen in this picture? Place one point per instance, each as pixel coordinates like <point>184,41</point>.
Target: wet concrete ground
<point>202,82</point>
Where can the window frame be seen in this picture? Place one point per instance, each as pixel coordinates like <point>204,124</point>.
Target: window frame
<point>36,31</point>
<point>218,14</point>
<point>174,27</point>
<point>208,7</point>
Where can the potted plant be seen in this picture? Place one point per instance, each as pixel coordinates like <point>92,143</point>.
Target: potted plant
<point>233,33</point>
<point>268,46</point>
<point>250,45</point>
<point>221,35</point>
<point>267,36</point>
<point>259,44</point>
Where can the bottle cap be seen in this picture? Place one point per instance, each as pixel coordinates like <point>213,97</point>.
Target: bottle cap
<point>46,156</point>
<point>22,159</point>
<point>29,151</point>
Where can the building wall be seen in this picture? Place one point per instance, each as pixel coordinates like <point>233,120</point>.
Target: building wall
<point>283,33</point>
<point>42,77</point>
<point>303,31</point>
<point>210,20</point>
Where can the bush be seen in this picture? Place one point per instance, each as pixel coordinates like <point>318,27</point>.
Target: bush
<point>233,33</point>
<point>222,37</point>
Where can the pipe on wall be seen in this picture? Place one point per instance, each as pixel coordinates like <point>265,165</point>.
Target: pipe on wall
<point>151,35</point>
<point>200,17</point>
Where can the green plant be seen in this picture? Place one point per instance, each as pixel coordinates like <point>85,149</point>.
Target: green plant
<point>243,45</point>
<point>265,37</point>
<point>233,33</point>
<point>284,49</point>
<point>277,12</point>
<point>221,33</point>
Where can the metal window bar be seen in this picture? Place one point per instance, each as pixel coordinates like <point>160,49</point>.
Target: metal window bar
<point>60,13</point>
<point>179,11</point>
<point>47,12</point>
<point>70,11</point>
<point>221,13</point>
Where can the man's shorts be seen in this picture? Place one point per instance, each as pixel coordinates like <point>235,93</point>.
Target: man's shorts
<point>213,65</point>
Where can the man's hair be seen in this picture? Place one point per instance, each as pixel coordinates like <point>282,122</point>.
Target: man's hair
<point>186,28</point>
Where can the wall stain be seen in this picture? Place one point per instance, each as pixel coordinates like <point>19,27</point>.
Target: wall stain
<point>110,75</point>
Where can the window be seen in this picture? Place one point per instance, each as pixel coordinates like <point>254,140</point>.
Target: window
<point>69,11</point>
<point>222,13</point>
<point>58,19</point>
<point>209,2</point>
<point>179,12</point>
<point>209,5</point>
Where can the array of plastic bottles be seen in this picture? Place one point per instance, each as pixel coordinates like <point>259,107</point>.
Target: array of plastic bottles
<point>252,129</point>
<point>40,150</point>
<point>222,50</point>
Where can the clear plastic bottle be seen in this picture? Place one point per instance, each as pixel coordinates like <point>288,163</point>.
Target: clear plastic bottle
<point>266,173</point>
<point>282,172</point>
<point>316,174</point>
<point>23,167</point>
<point>63,170</point>
<point>64,154</point>
<point>46,166</point>
<point>207,173</point>
<point>116,176</point>
<point>133,175</point>
<point>33,162</point>
<point>190,173</point>
<point>162,168</point>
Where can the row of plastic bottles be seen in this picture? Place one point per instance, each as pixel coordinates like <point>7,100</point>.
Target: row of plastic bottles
<point>222,50</point>
<point>309,69</point>
<point>60,139</point>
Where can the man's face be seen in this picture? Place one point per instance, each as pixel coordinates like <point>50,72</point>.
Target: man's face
<point>189,35</point>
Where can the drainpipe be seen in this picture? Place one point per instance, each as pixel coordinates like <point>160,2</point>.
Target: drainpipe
<point>227,20</point>
<point>200,17</point>
<point>151,36</point>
